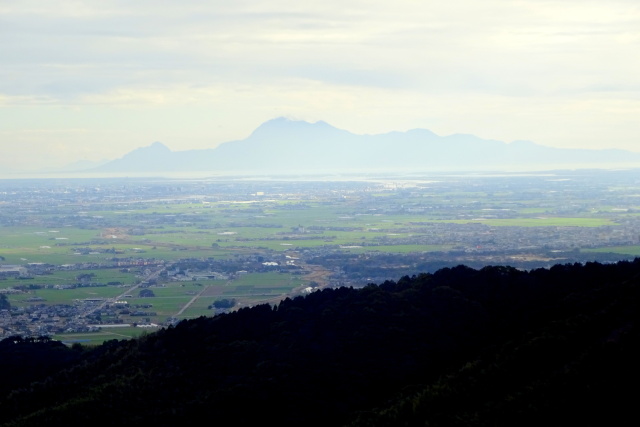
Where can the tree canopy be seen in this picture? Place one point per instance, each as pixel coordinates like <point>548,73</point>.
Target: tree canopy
<point>4,302</point>
<point>146,293</point>
<point>494,346</point>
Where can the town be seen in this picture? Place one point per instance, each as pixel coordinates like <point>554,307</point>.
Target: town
<point>94,259</point>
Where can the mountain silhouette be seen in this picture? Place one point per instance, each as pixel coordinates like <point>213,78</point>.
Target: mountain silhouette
<point>283,146</point>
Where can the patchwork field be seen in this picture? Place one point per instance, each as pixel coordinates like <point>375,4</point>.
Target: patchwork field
<point>193,243</point>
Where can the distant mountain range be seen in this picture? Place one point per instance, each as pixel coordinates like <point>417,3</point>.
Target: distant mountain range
<point>282,146</point>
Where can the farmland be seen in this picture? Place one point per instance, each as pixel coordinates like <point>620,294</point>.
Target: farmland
<point>76,255</point>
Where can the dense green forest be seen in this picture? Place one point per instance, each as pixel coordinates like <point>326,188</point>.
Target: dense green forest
<point>490,347</point>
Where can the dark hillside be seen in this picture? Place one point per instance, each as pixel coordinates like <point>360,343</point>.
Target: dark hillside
<point>29,359</point>
<point>578,367</point>
<point>458,347</point>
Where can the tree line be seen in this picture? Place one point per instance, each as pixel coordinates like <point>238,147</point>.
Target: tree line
<point>461,346</point>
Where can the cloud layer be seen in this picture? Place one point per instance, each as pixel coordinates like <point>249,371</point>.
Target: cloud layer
<point>85,79</point>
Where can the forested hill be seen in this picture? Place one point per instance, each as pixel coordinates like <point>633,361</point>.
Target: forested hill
<point>495,346</point>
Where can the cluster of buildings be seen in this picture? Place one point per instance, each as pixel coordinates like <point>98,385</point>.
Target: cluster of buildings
<point>43,319</point>
<point>478,236</point>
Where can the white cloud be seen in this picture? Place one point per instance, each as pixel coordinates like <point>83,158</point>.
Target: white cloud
<point>196,73</point>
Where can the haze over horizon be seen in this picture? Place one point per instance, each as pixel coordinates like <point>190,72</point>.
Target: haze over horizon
<point>86,80</point>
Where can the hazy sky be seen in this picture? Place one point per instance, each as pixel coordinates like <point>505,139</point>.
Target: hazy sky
<point>96,79</point>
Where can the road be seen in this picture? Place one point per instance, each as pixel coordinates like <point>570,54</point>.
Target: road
<point>151,276</point>
<point>191,301</point>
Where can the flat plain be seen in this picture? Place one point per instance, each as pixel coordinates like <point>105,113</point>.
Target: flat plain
<point>194,242</point>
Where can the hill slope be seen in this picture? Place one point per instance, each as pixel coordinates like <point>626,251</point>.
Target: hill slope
<point>495,346</point>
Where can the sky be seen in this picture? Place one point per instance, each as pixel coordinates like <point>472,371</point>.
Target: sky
<point>93,80</point>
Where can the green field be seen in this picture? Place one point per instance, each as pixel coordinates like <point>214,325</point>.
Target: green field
<point>128,237</point>
<point>541,222</point>
<point>625,250</point>
<point>65,296</point>
<point>400,248</point>
<point>262,285</point>
<point>105,334</point>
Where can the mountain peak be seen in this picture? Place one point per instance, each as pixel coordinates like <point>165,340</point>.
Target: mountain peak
<point>155,149</point>
<point>285,145</point>
<point>283,125</point>
<point>158,146</point>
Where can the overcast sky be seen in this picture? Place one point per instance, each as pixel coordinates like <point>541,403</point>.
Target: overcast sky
<point>96,79</point>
